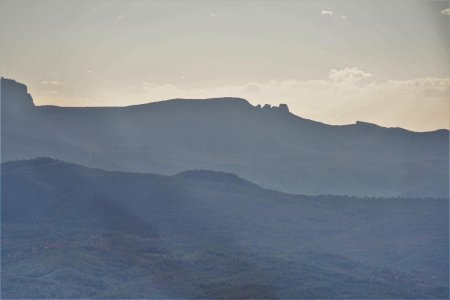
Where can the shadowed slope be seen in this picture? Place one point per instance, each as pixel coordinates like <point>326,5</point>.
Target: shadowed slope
<point>74,232</point>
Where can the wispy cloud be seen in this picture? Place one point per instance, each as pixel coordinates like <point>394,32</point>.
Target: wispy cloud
<point>446,12</point>
<point>326,13</point>
<point>333,15</point>
<point>348,75</point>
<point>50,82</point>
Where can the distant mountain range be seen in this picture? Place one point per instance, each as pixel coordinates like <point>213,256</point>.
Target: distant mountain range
<point>267,145</point>
<point>73,232</point>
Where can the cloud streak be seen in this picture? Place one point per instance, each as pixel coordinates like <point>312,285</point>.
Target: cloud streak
<point>326,13</point>
<point>348,75</point>
<point>446,12</point>
<point>51,82</point>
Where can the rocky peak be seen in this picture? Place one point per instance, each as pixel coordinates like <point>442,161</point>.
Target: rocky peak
<point>267,107</point>
<point>14,95</point>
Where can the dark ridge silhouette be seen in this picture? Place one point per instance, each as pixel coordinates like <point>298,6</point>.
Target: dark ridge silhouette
<point>74,232</point>
<point>267,145</point>
<point>213,176</point>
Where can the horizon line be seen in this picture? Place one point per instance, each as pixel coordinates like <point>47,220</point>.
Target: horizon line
<point>258,106</point>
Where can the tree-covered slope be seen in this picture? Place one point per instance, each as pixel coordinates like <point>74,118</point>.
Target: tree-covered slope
<point>75,232</point>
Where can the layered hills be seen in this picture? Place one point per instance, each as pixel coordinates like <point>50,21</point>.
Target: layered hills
<point>267,145</point>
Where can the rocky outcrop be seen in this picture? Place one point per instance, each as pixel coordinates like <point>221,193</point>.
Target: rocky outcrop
<point>281,108</point>
<point>14,96</point>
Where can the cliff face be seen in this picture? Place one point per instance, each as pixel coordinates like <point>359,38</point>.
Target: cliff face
<point>14,98</point>
<point>10,85</point>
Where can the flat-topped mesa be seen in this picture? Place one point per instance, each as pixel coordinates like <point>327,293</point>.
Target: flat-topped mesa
<point>14,95</point>
<point>281,108</point>
<point>226,103</point>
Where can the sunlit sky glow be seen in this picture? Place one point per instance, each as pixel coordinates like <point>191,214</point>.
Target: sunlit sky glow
<point>385,62</point>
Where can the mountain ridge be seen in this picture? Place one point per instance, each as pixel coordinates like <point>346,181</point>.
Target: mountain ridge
<point>206,175</point>
<point>201,175</point>
<point>230,99</point>
<point>267,145</point>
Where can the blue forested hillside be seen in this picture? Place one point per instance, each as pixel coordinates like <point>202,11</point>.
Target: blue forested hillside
<point>74,232</point>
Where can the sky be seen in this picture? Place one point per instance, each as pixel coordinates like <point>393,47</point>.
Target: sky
<point>378,61</point>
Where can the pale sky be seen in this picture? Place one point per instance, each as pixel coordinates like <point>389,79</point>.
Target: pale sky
<point>380,61</point>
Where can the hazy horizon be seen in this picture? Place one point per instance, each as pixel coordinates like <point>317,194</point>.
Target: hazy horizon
<point>195,149</point>
<point>331,61</point>
<point>212,98</point>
